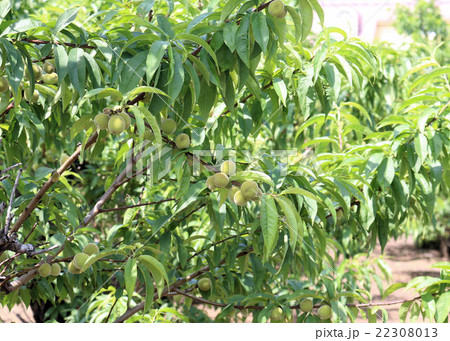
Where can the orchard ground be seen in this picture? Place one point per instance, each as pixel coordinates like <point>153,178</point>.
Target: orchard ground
<point>403,257</point>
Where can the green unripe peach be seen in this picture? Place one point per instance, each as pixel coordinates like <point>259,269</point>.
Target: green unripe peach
<point>126,118</point>
<point>276,8</point>
<point>250,189</point>
<point>45,270</point>
<point>168,126</point>
<point>63,159</point>
<point>221,180</point>
<point>116,124</point>
<point>148,135</point>
<point>37,70</point>
<point>182,141</point>
<point>204,284</point>
<point>49,67</point>
<point>73,269</point>
<point>50,155</point>
<point>277,314</point>
<point>55,176</point>
<point>90,249</point>
<point>50,78</point>
<point>31,97</point>
<point>324,312</point>
<point>4,85</point>
<point>56,269</point>
<point>232,192</point>
<point>80,259</point>
<point>101,121</point>
<point>210,183</point>
<point>306,305</point>
<point>239,199</point>
<point>228,167</point>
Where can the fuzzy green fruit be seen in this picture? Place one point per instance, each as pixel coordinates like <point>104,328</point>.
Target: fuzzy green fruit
<point>45,270</point>
<point>4,85</point>
<point>116,124</point>
<point>220,180</point>
<point>204,284</point>
<point>101,121</point>
<point>228,167</point>
<point>90,249</point>
<point>182,141</point>
<point>282,15</point>
<point>126,118</point>
<point>56,269</point>
<point>168,126</point>
<point>80,259</point>
<point>50,78</point>
<point>73,269</point>
<point>63,159</point>
<point>37,70</point>
<point>49,67</point>
<point>148,135</point>
<point>276,8</point>
<point>324,312</point>
<point>210,183</point>
<point>55,176</point>
<point>31,97</point>
<point>232,192</point>
<point>277,314</point>
<point>306,305</point>
<point>239,199</point>
<point>250,189</point>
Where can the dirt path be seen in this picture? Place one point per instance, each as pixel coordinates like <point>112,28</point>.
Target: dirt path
<point>404,259</point>
<point>406,262</point>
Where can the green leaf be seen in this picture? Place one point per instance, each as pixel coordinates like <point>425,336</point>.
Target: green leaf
<point>16,66</point>
<point>61,62</point>
<point>294,221</point>
<point>151,120</point>
<point>95,257</point>
<point>260,30</point>
<point>269,224</point>
<point>443,307</point>
<point>242,40</point>
<point>421,147</point>
<point>228,9</point>
<point>130,275</point>
<point>300,191</point>
<point>65,19</point>
<point>386,172</point>
<point>200,42</point>
<point>298,22</point>
<point>392,288</point>
<point>77,69</point>
<point>307,17</point>
<point>252,175</point>
<point>147,89</point>
<point>315,4</point>
<point>149,288</point>
<point>155,55</point>
<point>132,72</point>
<point>403,310</point>
<point>157,270</point>
<point>96,94</point>
<point>280,89</point>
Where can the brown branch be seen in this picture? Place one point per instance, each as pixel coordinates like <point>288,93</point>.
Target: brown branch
<point>8,108</point>
<point>10,167</point>
<point>37,198</point>
<point>132,206</point>
<point>39,42</point>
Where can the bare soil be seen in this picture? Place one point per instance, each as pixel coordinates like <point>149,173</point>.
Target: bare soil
<point>403,257</point>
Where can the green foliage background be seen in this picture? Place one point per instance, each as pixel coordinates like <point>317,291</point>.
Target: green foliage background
<point>367,127</point>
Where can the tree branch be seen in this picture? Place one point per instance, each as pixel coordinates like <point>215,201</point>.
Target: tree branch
<point>41,42</point>
<point>132,206</point>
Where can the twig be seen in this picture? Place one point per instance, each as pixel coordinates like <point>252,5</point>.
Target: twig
<point>112,307</point>
<point>39,42</point>
<point>10,167</point>
<point>137,205</point>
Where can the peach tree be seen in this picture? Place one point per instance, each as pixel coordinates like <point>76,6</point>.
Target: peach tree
<point>181,160</point>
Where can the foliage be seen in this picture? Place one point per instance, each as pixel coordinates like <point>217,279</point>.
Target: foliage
<point>346,142</point>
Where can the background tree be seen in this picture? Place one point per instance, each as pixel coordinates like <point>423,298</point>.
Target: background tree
<point>116,173</point>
